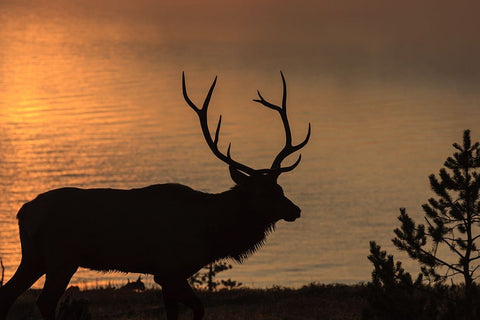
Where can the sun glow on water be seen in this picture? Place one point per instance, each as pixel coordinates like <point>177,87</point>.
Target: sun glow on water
<point>93,99</point>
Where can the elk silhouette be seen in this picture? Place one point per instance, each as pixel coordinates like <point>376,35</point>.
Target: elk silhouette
<point>180,229</point>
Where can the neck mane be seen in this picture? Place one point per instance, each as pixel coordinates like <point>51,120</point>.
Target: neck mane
<point>243,231</point>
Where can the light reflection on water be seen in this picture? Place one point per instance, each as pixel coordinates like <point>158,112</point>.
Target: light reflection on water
<point>93,109</point>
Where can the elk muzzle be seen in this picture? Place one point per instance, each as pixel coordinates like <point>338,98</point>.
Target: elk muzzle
<point>293,213</point>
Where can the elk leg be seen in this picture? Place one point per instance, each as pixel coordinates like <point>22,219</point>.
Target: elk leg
<point>181,291</point>
<point>25,276</point>
<point>171,306</point>
<point>190,299</point>
<point>56,282</point>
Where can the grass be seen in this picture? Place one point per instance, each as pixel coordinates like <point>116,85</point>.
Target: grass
<point>315,301</point>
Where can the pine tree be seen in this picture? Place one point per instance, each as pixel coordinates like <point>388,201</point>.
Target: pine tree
<point>452,221</point>
<point>392,292</point>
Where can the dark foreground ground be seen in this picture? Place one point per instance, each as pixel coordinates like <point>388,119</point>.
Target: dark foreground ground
<point>332,302</point>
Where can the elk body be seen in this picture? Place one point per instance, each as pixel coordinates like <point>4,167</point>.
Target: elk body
<point>167,230</point>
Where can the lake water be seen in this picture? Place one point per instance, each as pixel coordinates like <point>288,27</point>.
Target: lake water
<point>92,102</point>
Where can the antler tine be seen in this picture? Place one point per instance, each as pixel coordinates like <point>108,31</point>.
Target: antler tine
<point>291,167</point>
<point>266,103</point>
<point>185,94</point>
<point>288,149</point>
<point>212,144</point>
<point>217,131</point>
<point>284,86</point>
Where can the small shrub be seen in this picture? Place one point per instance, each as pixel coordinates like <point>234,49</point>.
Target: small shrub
<point>205,278</point>
<point>74,309</point>
<point>392,294</point>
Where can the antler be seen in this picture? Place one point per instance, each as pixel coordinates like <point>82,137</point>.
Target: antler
<point>288,149</point>
<point>213,144</point>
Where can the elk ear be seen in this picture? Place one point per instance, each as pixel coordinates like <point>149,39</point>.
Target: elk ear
<point>238,177</point>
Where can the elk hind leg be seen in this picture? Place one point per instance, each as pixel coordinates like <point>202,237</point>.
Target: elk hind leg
<point>27,273</point>
<point>180,291</point>
<point>171,306</point>
<point>56,281</point>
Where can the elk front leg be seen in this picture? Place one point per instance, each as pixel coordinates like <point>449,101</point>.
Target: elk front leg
<point>56,281</point>
<point>171,305</point>
<point>27,273</point>
<point>180,291</point>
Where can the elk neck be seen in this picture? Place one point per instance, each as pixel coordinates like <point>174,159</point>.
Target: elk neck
<point>239,230</point>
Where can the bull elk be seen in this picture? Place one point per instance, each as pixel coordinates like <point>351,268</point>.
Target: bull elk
<point>180,230</point>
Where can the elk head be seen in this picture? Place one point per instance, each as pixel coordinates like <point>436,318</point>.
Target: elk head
<point>259,186</point>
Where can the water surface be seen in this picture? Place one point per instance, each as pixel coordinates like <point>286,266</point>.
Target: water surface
<point>92,102</point>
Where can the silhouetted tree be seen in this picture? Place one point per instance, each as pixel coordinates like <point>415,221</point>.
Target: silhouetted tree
<point>74,309</point>
<point>452,222</point>
<point>392,293</point>
<point>206,277</point>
